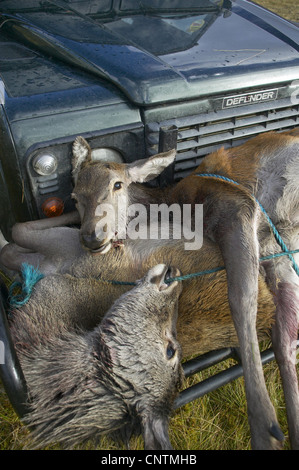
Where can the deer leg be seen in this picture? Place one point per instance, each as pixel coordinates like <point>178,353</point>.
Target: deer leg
<point>46,244</point>
<point>13,256</point>
<point>31,234</point>
<point>285,288</point>
<point>239,246</point>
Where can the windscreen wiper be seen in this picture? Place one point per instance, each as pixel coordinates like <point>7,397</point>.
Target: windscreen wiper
<point>154,6</point>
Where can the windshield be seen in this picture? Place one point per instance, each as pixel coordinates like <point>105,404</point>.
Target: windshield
<point>103,7</point>
<point>158,26</point>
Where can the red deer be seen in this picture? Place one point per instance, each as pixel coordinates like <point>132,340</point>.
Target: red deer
<point>83,384</point>
<point>265,170</point>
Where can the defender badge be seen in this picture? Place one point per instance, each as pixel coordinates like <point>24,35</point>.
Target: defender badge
<point>249,98</point>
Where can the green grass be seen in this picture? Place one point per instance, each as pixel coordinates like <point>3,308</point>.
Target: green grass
<point>218,421</point>
<point>288,9</point>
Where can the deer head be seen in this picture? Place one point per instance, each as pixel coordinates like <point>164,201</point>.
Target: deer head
<point>103,191</point>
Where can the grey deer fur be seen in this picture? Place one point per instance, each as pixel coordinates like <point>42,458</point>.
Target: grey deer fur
<point>121,377</point>
<point>234,231</point>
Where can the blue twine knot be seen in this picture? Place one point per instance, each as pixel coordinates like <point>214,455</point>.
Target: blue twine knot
<point>30,276</point>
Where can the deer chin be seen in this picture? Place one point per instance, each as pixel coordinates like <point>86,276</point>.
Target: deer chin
<point>107,246</point>
<point>103,248</point>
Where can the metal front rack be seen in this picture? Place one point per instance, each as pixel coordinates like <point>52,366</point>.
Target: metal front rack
<point>218,380</point>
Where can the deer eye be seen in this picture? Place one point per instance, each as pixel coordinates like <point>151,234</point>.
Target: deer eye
<point>117,185</point>
<point>170,351</point>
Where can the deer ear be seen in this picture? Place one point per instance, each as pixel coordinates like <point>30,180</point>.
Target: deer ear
<point>144,170</point>
<point>81,155</point>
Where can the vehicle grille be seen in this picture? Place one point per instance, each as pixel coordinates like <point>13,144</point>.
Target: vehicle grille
<point>202,134</point>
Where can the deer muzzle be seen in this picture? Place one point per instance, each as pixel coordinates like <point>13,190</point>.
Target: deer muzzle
<point>92,243</point>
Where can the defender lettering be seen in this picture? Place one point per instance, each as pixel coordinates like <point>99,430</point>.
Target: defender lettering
<point>249,98</point>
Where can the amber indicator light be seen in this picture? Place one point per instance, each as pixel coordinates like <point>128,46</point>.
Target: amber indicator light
<point>53,207</point>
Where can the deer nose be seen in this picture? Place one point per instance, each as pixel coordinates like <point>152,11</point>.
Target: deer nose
<point>90,241</point>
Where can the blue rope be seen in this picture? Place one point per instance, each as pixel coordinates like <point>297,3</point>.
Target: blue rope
<point>30,276</point>
<point>198,274</point>
<point>274,230</point>
<point>118,283</point>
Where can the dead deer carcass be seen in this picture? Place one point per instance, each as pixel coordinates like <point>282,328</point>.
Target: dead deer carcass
<point>121,377</point>
<point>266,170</point>
<point>81,297</point>
<point>232,218</point>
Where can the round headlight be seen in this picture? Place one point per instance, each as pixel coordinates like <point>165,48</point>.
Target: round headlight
<point>45,164</point>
